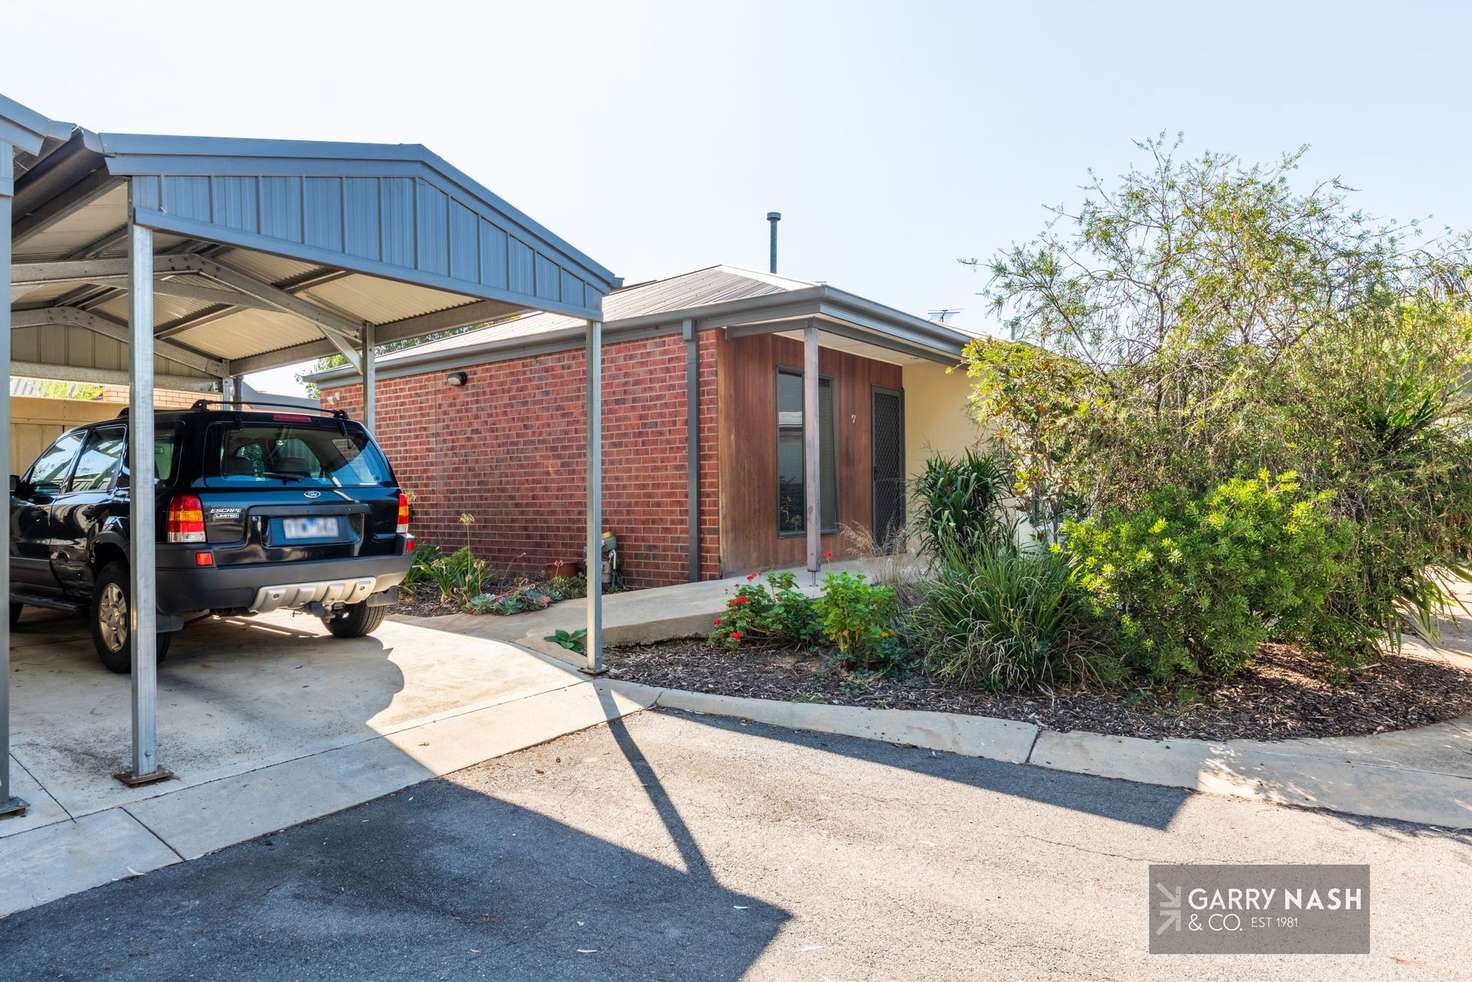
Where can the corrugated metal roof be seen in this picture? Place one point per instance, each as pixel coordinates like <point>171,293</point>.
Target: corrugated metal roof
<point>698,288</point>
<point>380,301</point>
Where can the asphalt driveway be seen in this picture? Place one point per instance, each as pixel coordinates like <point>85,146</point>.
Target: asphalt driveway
<point>677,847</point>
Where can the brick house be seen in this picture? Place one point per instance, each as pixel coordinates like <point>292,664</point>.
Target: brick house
<point>702,425</point>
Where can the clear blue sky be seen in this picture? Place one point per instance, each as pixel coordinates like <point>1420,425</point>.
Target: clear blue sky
<point>893,137</point>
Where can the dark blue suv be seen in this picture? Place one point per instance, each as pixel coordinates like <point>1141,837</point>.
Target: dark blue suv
<point>257,510</point>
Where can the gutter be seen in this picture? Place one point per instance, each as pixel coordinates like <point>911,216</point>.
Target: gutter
<point>916,335</point>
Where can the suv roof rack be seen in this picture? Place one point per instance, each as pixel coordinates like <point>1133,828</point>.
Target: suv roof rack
<point>202,404</point>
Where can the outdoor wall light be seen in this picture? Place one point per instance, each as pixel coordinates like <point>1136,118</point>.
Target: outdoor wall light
<point>456,378</point>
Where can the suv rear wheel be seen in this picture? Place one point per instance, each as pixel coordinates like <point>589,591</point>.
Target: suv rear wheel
<point>359,620</point>
<point>111,620</point>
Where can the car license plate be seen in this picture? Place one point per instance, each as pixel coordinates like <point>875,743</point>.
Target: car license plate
<point>309,528</point>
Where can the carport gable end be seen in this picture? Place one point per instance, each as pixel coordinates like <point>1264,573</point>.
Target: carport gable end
<point>396,211</point>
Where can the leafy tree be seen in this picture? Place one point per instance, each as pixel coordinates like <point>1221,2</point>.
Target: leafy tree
<point>1202,319</point>
<point>333,361</point>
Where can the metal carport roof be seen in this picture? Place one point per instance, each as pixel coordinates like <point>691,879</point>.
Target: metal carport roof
<point>273,252</point>
<point>241,255</point>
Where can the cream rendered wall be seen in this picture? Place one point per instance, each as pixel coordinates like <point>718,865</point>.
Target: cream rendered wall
<point>34,423</point>
<point>936,416</point>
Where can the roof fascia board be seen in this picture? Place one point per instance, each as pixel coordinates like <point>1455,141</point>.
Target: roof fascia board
<point>133,155</point>
<point>869,322</point>
<point>885,342</point>
<point>883,332</point>
<point>26,130</point>
<point>888,319</point>
<point>209,232</point>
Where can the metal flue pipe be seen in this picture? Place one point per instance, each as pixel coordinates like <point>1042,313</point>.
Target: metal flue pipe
<point>773,217</point>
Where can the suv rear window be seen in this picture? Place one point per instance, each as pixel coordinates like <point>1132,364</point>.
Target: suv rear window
<point>248,453</point>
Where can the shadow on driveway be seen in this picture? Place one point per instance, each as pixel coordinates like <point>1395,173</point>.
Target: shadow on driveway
<point>436,881</point>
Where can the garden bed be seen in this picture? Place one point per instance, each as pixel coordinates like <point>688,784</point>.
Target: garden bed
<point>1285,693</point>
<point>431,604</point>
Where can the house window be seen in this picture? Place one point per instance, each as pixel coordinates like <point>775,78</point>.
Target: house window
<point>791,504</point>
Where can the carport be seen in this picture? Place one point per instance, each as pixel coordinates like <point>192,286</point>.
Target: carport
<point>189,262</point>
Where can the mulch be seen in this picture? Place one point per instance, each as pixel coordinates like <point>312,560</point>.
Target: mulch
<point>1284,694</point>
<point>430,605</point>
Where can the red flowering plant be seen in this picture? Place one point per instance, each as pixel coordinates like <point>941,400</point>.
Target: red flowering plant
<point>774,612</point>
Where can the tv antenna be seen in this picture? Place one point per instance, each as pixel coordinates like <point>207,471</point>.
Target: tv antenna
<point>944,312</point>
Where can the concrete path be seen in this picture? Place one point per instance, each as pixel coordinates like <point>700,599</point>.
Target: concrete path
<point>668,846</point>
<point>635,617</point>
<point>267,723</point>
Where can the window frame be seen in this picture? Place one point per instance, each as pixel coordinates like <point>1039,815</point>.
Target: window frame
<point>123,479</point>
<point>28,479</point>
<point>112,481</point>
<point>777,454</point>
<point>214,441</point>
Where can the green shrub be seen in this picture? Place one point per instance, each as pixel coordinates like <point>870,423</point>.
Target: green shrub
<point>775,612</point>
<point>423,557</point>
<point>1390,434</point>
<point>856,616</point>
<point>962,500</point>
<point>1004,617</point>
<point>459,576</point>
<point>561,588</point>
<point>1195,584</point>
<point>529,595</point>
<point>575,640</point>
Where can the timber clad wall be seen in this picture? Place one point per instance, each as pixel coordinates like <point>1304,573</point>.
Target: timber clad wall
<point>508,448</point>
<point>710,465</point>
<point>748,447</point>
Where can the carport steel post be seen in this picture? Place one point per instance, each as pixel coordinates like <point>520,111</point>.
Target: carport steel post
<point>593,560</point>
<point>9,803</point>
<point>142,559</point>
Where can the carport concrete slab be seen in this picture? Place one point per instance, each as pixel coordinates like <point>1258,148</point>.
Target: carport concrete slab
<point>242,694</point>
<point>268,722</point>
<point>47,863</point>
<point>199,820</point>
<point>41,809</point>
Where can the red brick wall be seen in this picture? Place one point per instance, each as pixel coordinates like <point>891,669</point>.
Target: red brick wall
<point>508,448</point>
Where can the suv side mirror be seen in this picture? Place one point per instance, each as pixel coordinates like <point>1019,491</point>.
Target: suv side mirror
<point>14,483</point>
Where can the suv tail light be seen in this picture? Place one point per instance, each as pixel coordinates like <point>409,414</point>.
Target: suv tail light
<point>403,521</point>
<point>185,522</point>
